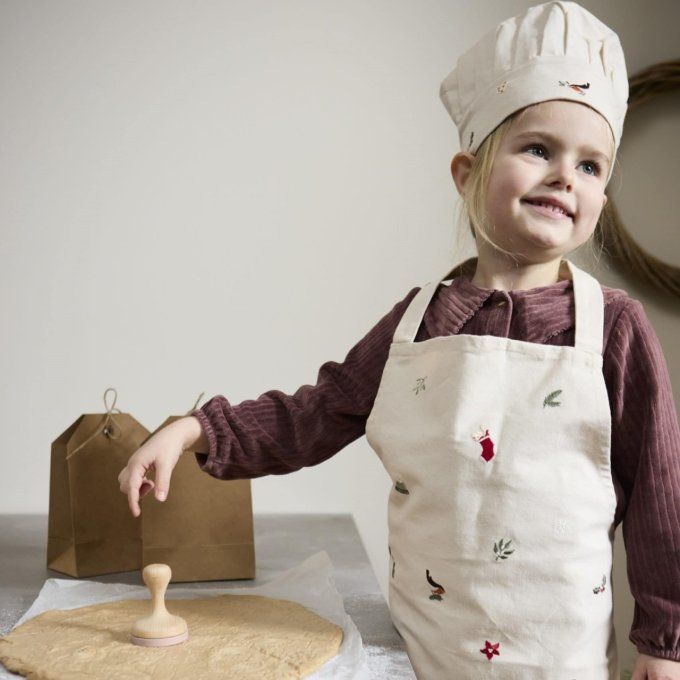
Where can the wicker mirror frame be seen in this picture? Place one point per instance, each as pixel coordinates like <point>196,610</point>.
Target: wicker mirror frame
<point>618,242</point>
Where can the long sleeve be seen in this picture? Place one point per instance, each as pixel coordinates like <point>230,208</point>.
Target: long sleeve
<point>279,433</point>
<point>646,462</point>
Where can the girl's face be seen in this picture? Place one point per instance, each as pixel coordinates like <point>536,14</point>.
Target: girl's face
<point>558,149</point>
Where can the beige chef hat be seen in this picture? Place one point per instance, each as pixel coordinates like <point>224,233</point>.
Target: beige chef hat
<point>556,50</point>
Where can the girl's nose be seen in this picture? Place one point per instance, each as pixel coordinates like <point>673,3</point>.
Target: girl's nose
<point>563,173</point>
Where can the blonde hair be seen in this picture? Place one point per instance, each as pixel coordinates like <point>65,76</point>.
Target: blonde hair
<point>471,208</point>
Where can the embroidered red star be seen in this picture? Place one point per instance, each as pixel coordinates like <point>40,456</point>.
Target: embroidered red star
<point>490,649</point>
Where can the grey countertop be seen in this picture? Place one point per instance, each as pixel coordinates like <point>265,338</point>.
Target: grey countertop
<point>281,542</point>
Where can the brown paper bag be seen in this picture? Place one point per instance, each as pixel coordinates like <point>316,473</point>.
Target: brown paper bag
<point>91,530</point>
<point>204,529</point>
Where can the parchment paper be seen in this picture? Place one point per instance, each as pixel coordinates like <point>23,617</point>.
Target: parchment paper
<point>310,583</point>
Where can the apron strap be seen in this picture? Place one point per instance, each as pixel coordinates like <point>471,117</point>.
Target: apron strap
<point>588,302</point>
<point>410,320</point>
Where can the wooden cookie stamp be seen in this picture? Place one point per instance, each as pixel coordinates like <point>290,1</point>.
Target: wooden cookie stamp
<point>161,628</point>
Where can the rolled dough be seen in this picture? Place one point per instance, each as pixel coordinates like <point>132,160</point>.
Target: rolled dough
<point>230,636</point>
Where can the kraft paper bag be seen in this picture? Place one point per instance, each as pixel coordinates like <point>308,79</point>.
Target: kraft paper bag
<point>91,530</point>
<point>204,528</point>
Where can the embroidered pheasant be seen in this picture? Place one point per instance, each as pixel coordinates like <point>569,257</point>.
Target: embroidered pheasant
<point>438,589</point>
<point>577,88</point>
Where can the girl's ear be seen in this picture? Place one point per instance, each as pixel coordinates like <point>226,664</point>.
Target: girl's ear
<point>461,165</point>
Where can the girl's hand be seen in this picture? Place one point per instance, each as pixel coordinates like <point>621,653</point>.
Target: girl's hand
<point>160,453</point>
<point>654,668</point>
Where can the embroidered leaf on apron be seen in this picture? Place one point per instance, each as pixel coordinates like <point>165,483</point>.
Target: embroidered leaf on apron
<point>394,564</point>
<point>401,488</point>
<point>548,401</point>
<point>501,551</point>
<point>420,384</point>
<point>438,590</point>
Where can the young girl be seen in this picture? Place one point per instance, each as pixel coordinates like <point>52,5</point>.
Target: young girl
<point>521,409</point>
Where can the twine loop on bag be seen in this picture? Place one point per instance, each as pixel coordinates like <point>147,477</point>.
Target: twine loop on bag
<point>105,427</point>
<point>191,410</point>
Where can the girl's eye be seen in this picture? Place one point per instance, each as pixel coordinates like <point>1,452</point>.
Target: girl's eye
<point>536,146</point>
<point>596,166</point>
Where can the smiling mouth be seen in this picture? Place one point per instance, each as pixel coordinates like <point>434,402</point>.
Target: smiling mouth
<point>551,212</point>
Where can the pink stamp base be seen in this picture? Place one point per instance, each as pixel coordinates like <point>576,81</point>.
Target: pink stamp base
<point>159,642</point>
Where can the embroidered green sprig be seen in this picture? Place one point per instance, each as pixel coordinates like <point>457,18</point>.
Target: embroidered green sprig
<point>401,488</point>
<point>549,400</point>
<point>420,384</point>
<point>501,550</point>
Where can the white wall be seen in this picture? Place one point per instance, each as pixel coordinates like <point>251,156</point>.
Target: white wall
<point>221,196</point>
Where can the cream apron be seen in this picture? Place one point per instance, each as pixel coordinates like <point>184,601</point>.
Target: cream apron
<point>501,511</point>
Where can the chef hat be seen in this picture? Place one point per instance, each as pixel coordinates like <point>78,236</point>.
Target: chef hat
<point>556,50</point>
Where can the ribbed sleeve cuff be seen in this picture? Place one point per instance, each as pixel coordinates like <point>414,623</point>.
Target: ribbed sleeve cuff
<point>206,461</point>
<point>670,654</point>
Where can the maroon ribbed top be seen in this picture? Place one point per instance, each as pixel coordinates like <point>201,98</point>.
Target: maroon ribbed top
<point>279,433</point>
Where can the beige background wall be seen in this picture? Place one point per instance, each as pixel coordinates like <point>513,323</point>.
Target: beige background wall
<point>221,196</point>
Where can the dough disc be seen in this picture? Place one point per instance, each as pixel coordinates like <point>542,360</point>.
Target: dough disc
<point>230,636</point>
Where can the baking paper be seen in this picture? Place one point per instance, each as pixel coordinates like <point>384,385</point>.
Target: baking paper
<point>310,583</point>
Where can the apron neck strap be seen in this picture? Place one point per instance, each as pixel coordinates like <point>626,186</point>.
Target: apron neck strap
<point>588,303</point>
